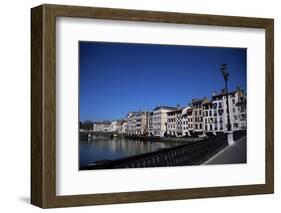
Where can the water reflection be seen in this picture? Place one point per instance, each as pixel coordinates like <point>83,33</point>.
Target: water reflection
<point>111,149</point>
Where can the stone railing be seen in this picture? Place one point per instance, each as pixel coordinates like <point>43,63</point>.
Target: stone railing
<point>193,153</point>
<point>239,134</point>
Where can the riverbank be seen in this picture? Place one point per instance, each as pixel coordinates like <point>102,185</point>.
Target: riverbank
<point>91,136</point>
<point>162,139</point>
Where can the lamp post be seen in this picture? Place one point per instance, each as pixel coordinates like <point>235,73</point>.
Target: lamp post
<point>226,78</point>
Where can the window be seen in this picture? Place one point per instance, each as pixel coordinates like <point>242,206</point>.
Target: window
<point>196,126</point>
<point>215,105</point>
<point>195,113</point>
<point>233,101</point>
<point>234,108</point>
<point>210,112</point>
<point>206,113</point>
<point>200,126</point>
<point>206,127</point>
<point>242,117</point>
<point>220,105</point>
<point>235,117</point>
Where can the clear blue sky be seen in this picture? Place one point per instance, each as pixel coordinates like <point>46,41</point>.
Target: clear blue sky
<point>116,78</point>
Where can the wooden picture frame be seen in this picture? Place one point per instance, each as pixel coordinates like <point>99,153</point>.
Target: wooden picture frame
<point>43,105</point>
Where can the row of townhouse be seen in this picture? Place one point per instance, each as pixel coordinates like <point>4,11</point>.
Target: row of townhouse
<point>201,117</point>
<point>209,117</point>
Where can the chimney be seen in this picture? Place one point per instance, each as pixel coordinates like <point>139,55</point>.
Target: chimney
<point>238,89</point>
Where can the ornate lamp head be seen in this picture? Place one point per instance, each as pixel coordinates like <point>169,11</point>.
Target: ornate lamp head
<point>224,72</point>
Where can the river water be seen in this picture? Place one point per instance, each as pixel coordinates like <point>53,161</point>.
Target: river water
<point>103,148</point>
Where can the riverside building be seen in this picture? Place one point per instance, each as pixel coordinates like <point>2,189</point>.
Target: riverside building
<point>159,120</point>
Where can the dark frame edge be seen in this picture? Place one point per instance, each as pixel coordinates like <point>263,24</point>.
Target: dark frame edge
<point>157,196</point>
<point>269,108</point>
<point>37,197</point>
<point>43,107</point>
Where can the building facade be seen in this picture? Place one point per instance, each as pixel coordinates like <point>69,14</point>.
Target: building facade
<point>159,120</point>
<point>131,123</point>
<point>237,110</point>
<point>137,123</point>
<point>174,122</point>
<point>242,112</point>
<point>197,116</point>
<point>124,125</point>
<point>208,120</point>
<point>150,126</point>
<point>102,126</point>
<point>141,127</point>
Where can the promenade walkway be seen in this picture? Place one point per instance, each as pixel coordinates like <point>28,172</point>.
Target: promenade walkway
<point>236,153</point>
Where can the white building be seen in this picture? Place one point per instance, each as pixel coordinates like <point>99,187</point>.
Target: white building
<point>159,120</point>
<point>113,126</point>
<point>119,126</point>
<point>97,127</point>
<point>237,110</point>
<point>150,126</point>
<point>124,125</point>
<point>131,123</point>
<point>102,126</point>
<point>187,128</point>
<point>141,127</point>
<point>174,122</point>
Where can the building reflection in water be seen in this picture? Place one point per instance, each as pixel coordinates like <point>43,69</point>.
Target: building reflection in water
<point>111,149</point>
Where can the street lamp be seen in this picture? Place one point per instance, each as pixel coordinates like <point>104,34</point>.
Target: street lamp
<point>226,78</point>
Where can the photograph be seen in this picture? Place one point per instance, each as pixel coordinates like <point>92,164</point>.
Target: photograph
<point>147,105</point>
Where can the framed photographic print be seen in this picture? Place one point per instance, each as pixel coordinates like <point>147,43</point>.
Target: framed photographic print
<point>136,106</point>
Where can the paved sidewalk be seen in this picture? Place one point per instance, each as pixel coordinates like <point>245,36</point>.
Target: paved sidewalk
<point>236,153</point>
